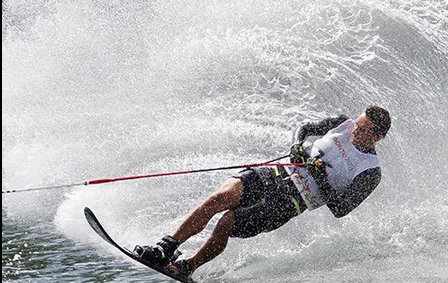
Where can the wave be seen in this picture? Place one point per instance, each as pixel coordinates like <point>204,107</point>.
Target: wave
<point>101,89</point>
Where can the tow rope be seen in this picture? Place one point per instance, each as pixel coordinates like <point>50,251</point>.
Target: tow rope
<point>269,163</point>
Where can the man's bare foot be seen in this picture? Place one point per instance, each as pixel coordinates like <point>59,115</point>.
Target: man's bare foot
<point>181,267</point>
<point>172,268</point>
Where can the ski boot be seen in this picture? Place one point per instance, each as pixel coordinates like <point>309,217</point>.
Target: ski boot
<point>161,253</point>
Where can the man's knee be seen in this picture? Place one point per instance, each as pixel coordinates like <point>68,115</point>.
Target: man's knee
<point>225,224</point>
<point>228,195</point>
<point>231,186</point>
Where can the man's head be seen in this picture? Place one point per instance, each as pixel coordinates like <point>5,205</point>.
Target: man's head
<point>371,127</point>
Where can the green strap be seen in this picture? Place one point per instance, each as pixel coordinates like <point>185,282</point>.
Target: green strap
<point>277,172</point>
<point>294,201</point>
<point>296,205</point>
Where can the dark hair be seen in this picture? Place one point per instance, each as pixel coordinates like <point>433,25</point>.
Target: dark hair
<point>380,117</point>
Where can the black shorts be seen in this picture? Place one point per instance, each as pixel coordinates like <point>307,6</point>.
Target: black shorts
<point>265,205</point>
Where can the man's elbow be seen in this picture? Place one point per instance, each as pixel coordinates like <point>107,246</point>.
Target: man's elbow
<point>339,212</point>
<point>340,215</point>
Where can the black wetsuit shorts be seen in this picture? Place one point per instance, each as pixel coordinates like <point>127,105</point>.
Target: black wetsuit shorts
<point>265,204</point>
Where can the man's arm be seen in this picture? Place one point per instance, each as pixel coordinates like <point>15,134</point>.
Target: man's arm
<point>341,204</point>
<point>318,128</point>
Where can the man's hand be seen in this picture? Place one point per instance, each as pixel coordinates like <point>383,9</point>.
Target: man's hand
<point>316,168</point>
<point>297,153</point>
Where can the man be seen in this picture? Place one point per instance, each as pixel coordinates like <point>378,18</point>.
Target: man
<point>341,170</point>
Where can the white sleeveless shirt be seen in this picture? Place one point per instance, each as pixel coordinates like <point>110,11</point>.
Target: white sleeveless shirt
<point>345,159</point>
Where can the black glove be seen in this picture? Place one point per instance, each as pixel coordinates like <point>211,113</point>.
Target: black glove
<point>316,168</point>
<point>297,153</point>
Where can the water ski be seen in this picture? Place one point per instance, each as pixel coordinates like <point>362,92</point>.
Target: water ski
<point>96,226</point>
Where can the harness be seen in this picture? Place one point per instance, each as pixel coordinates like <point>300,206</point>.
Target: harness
<point>279,179</point>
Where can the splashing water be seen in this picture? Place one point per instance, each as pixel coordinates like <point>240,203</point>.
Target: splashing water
<point>106,88</point>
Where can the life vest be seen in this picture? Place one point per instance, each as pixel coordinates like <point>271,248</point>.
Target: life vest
<point>345,160</point>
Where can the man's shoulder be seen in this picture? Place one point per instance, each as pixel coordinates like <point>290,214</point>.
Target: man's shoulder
<point>334,121</point>
<point>341,118</point>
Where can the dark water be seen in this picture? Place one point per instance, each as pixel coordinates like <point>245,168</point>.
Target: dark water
<point>42,254</point>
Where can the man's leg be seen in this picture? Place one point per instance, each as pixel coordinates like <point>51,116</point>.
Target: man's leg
<point>226,197</point>
<point>214,245</point>
<point>262,209</point>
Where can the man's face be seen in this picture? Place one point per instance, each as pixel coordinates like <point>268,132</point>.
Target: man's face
<point>362,132</point>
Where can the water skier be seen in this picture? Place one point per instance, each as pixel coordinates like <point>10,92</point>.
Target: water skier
<point>342,170</point>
